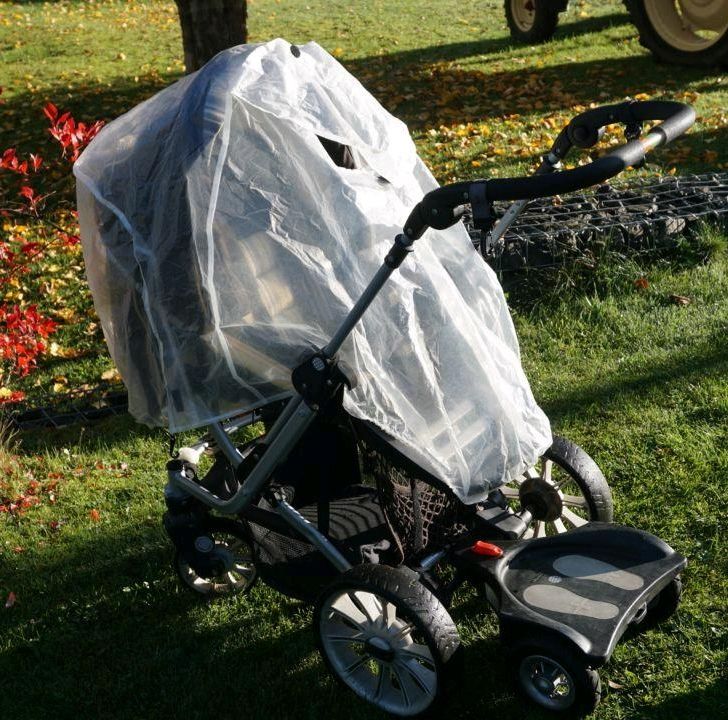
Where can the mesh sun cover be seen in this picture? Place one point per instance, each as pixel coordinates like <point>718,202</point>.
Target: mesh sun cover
<point>222,242</point>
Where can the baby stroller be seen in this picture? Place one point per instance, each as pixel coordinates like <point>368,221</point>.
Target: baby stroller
<point>403,455</point>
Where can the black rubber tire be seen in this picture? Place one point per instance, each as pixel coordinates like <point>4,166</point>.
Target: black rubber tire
<point>716,54</point>
<point>546,18</point>
<point>664,605</point>
<point>416,604</point>
<point>586,474</point>
<point>229,527</point>
<point>586,682</point>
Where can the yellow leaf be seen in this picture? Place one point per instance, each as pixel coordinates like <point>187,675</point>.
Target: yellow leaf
<point>112,374</point>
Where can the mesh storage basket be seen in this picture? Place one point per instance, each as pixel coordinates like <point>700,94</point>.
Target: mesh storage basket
<point>420,516</point>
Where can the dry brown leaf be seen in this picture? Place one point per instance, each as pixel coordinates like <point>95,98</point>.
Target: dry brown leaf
<point>680,299</point>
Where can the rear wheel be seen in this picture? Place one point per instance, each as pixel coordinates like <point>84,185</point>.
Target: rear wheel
<point>683,32</point>
<point>387,637</point>
<point>565,489</point>
<point>532,21</point>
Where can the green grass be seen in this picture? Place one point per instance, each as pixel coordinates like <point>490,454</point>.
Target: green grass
<point>101,628</point>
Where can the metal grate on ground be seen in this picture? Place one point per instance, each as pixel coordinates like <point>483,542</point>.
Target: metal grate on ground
<point>75,406</point>
<point>637,218</point>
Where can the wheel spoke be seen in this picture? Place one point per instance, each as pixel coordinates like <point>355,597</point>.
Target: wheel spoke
<point>350,669</point>
<point>244,568</point>
<point>404,632</point>
<point>370,605</point>
<point>546,470</point>
<point>347,610</point>
<point>417,651</point>
<point>540,529</point>
<point>389,614</point>
<point>383,672</point>
<point>574,500</point>
<point>359,638</point>
<point>559,525</point>
<point>509,492</point>
<point>573,518</point>
<point>422,678</point>
<point>402,688</point>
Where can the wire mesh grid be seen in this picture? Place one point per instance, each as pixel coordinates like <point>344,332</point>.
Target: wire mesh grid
<point>636,218</point>
<point>80,405</point>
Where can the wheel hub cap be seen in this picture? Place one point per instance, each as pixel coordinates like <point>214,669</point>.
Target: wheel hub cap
<point>542,499</point>
<point>523,12</point>
<point>689,25</point>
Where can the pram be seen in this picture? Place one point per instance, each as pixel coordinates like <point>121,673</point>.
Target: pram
<point>339,507</point>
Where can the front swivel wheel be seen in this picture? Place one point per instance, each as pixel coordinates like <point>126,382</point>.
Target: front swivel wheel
<point>235,571</point>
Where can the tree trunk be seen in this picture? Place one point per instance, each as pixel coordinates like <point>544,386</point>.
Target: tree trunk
<point>209,26</point>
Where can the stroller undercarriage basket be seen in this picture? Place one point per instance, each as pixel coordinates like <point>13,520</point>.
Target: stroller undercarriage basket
<point>421,514</point>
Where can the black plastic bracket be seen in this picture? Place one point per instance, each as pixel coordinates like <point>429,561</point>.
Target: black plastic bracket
<point>483,215</point>
<point>318,379</point>
<point>398,252</point>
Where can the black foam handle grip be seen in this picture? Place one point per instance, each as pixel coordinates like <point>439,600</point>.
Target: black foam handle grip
<point>677,118</point>
<point>441,208</point>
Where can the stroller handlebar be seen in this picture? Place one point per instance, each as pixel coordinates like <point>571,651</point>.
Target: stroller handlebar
<point>444,206</point>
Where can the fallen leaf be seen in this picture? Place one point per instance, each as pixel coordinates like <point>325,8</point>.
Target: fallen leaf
<point>641,283</point>
<point>112,374</point>
<point>11,600</point>
<point>680,299</point>
<point>95,515</point>
<point>615,686</point>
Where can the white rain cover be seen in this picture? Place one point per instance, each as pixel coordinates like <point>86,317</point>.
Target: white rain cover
<point>221,242</point>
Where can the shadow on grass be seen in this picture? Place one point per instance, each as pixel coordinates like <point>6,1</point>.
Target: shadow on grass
<point>709,702</point>
<point>490,46</point>
<point>102,629</point>
<point>587,402</point>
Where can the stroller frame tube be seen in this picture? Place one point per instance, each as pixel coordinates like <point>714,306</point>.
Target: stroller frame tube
<point>299,417</point>
<point>360,307</point>
<point>288,430</point>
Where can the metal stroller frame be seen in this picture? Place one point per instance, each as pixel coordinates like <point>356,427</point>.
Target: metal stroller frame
<point>320,378</point>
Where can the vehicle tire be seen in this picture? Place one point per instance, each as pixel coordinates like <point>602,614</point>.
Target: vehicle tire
<point>385,636</point>
<point>532,21</point>
<point>566,486</point>
<point>664,605</point>
<point>556,678</point>
<point>686,32</point>
<point>230,536</point>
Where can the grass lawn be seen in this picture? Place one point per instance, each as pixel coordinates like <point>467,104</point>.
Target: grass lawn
<point>100,628</point>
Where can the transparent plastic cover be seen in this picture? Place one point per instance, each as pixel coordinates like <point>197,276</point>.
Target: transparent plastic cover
<point>231,221</point>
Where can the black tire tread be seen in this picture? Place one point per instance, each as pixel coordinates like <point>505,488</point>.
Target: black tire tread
<point>587,475</point>
<point>544,25</point>
<point>651,40</point>
<point>402,584</point>
<point>666,603</point>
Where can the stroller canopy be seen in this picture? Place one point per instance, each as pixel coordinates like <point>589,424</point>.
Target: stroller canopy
<point>231,221</point>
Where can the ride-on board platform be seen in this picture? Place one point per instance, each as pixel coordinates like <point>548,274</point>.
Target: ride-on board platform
<point>584,586</point>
